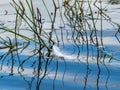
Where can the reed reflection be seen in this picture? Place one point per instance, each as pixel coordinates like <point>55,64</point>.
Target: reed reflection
<point>79,58</point>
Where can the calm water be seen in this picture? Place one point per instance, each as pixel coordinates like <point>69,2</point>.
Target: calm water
<point>71,66</point>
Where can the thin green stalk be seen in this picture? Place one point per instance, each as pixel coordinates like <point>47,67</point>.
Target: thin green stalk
<point>25,37</point>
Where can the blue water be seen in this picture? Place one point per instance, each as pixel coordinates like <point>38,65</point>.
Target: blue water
<point>69,75</point>
<point>57,73</point>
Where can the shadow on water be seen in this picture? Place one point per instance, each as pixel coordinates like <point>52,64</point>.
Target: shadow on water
<point>71,57</point>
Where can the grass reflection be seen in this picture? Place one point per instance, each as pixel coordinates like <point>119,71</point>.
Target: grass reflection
<point>79,33</point>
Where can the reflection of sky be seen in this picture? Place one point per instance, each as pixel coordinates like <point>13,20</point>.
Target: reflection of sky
<point>4,1</point>
<point>5,6</point>
<point>71,69</point>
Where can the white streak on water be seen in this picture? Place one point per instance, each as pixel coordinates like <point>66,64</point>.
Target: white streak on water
<point>83,58</point>
<point>58,53</point>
